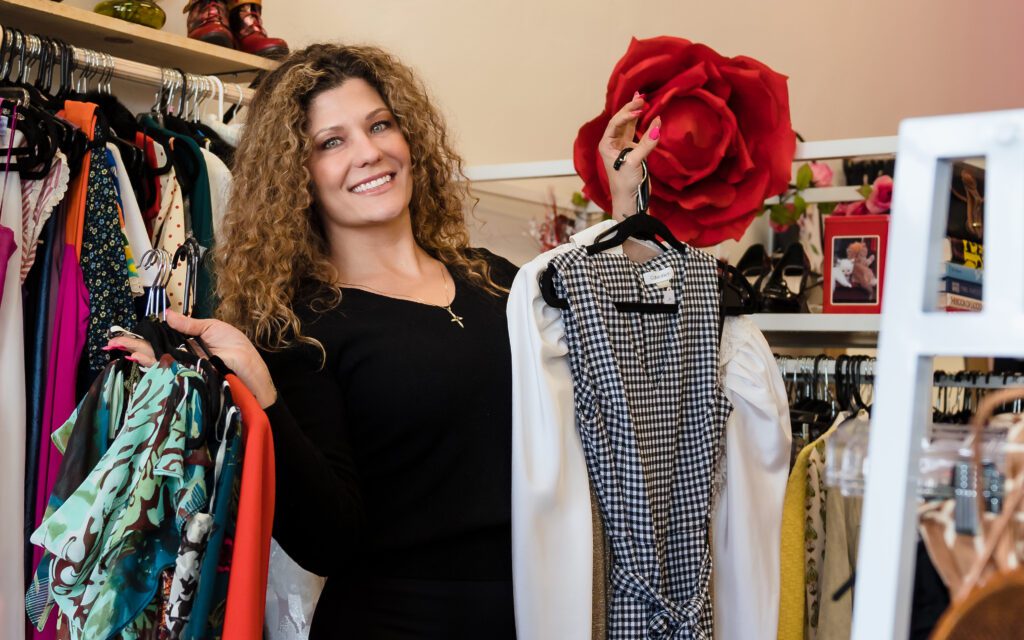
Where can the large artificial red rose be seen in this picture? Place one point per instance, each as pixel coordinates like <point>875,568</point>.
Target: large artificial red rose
<point>726,139</point>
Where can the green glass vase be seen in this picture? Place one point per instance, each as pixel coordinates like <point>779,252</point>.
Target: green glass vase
<point>144,12</point>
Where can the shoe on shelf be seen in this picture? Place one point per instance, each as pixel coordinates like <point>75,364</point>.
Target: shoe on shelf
<point>755,265</point>
<point>784,290</point>
<point>247,25</point>
<point>208,21</point>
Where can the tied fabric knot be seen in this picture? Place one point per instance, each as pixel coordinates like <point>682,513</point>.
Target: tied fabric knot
<point>662,626</point>
<point>671,621</point>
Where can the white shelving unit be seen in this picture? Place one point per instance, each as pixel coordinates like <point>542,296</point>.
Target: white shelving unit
<point>912,334</point>
<point>819,329</point>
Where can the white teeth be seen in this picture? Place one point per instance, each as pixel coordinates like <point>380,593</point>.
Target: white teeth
<point>373,184</point>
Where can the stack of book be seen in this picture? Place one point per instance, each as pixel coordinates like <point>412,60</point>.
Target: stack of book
<point>961,276</point>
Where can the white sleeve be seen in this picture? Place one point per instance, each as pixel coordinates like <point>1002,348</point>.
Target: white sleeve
<point>552,543</point>
<point>748,517</point>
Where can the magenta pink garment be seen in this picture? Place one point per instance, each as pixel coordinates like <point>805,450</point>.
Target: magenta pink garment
<point>7,247</point>
<point>67,343</point>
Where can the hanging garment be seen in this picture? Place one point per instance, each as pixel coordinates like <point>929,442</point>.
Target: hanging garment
<point>39,198</point>
<point>134,225</point>
<point>140,493</point>
<point>247,590</point>
<point>207,618</point>
<point>220,189</point>
<point>231,133</point>
<point>650,413</point>
<point>7,249</point>
<point>148,145</point>
<point>40,299</point>
<point>85,438</point>
<point>104,266</point>
<point>803,541</point>
<point>552,555</point>
<point>185,581</point>
<point>200,218</point>
<point>67,335</point>
<point>292,594</point>
<point>814,537</point>
<point>169,226</point>
<point>842,518</point>
<point>67,342</point>
<point>748,514</point>
<point>12,404</point>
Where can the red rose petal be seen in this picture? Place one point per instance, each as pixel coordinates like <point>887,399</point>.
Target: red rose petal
<point>727,140</point>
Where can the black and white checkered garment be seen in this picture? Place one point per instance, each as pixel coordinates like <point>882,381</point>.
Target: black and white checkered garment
<point>650,413</point>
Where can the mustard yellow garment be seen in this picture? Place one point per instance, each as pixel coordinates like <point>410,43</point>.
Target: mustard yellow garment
<point>792,585</point>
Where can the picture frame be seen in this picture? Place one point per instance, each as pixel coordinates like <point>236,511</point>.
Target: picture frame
<point>855,257</point>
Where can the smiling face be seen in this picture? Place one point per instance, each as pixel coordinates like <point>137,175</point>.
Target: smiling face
<point>360,161</point>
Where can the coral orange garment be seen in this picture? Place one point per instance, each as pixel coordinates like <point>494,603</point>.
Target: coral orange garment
<point>247,588</point>
<point>83,116</point>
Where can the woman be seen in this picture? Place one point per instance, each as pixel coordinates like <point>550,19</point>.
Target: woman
<point>381,347</point>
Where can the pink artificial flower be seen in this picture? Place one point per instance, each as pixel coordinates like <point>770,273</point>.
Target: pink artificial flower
<point>880,200</point>
<point>821,174</point>
<point>850,209</point>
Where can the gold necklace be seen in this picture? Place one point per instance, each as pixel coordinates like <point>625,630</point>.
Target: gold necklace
<point>444,281</point>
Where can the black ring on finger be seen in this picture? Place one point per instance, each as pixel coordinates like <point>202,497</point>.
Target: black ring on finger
<point>621,158</point>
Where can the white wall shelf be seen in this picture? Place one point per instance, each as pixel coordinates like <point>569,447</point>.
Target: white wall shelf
<point>819,329</point>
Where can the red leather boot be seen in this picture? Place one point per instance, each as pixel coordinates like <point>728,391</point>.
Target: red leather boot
<point>247,24</point>
<point>208,21</point>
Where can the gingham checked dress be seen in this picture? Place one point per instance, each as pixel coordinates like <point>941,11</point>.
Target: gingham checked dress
<point>650,413</point>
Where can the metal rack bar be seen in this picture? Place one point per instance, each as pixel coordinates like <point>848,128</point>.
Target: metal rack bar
<point>132,71</point>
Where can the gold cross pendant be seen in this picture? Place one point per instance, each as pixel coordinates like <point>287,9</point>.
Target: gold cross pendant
<point>456,319</point>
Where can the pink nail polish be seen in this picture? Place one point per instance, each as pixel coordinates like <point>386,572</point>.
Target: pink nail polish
<point>130,359</point>
<point>655,133</point>
<point>636,112</point>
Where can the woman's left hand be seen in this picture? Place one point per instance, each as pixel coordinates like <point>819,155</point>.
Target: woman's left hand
<point>234,348</point>
<point>618,135</point>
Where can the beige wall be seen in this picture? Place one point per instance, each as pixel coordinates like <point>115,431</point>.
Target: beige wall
<point>518,78</point>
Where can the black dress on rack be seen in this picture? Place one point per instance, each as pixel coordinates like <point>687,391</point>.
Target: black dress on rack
<point>394,464</point>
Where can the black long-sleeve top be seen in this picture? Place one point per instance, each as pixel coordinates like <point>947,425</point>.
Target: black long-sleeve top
<point>394,459</point>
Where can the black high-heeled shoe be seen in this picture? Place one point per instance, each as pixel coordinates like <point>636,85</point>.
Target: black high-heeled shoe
<point>784,290</point>
<point>754,264</point>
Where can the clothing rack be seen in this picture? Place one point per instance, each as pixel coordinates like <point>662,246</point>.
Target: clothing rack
<point>790,366</point>
<point>94,63</point>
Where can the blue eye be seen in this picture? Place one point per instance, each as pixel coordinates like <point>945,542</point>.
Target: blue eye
<point>381,126</point>
<point>330,143</point>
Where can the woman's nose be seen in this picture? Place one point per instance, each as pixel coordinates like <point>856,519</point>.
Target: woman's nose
<point>367,151</point>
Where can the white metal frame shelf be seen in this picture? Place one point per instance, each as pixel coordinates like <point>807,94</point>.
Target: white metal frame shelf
<point>912,334</point>
<point>819,329</point>
<point>820,150</point>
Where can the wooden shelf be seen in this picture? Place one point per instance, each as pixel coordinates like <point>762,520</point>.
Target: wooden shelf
<point>819,329</point>
<point>90,30</point>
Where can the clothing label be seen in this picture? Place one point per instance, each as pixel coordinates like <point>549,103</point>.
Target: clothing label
<point>661,275</point>
<point>669,297</point>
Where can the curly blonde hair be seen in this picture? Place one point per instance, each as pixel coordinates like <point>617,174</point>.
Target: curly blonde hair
<point>272,241</point>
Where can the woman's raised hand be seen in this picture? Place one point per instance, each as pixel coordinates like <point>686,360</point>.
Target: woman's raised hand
<point>619,135</point>
<point>222,340</point>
